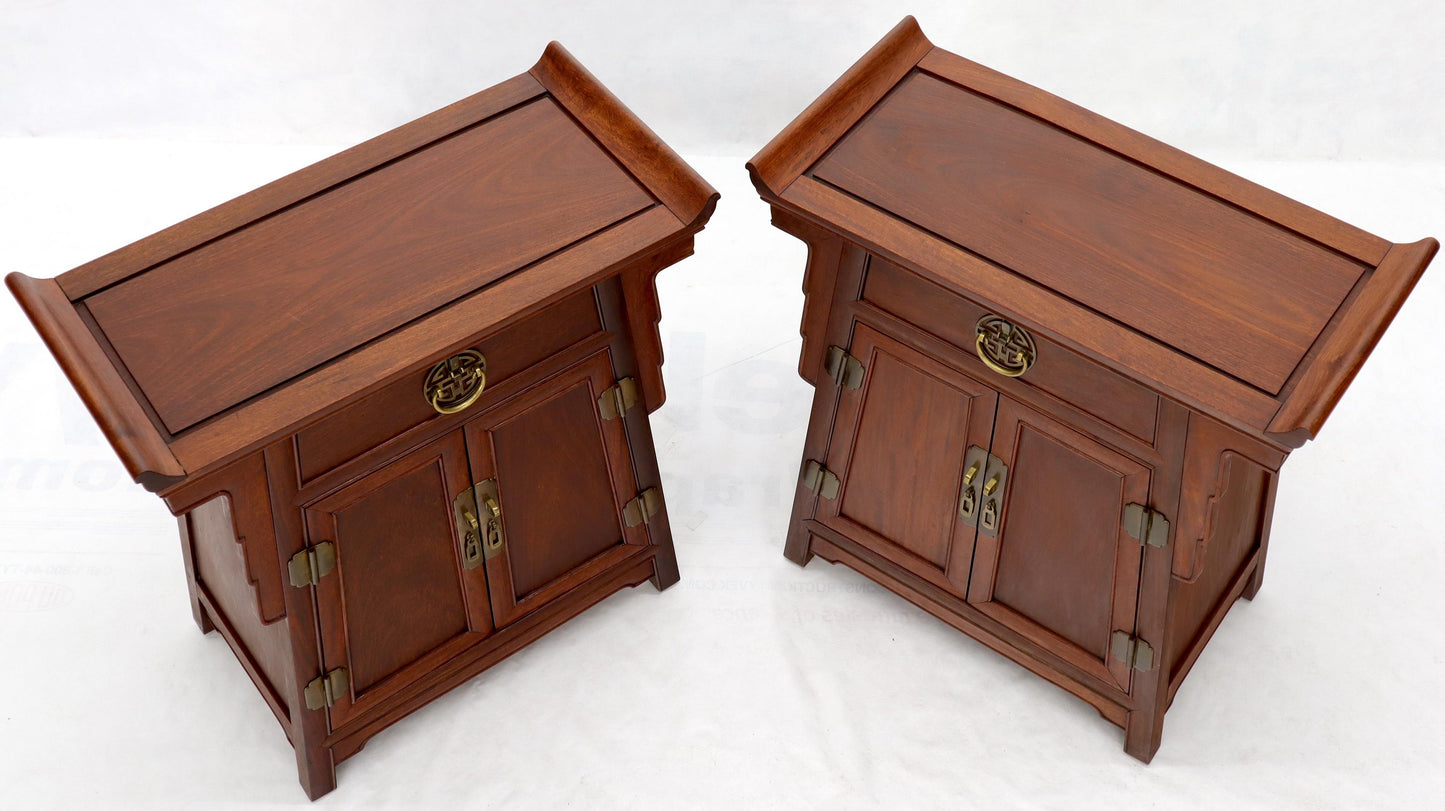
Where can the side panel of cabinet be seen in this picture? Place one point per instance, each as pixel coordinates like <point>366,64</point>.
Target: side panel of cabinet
<point>898,449</point>
<point>399,602</point>
<point>1061,570</point>
<point>563,475</point>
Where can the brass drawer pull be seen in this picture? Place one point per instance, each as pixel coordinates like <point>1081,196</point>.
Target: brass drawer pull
<point>457,382</point>
<point>1004,347</point>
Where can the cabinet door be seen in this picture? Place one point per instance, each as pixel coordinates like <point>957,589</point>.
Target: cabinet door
<point>399,602</point>
<point>1061,570</point>
<point>898,448</point>
<point>562,476</point>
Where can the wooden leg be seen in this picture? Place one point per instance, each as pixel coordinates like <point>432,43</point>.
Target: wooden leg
<point>316,770</point>
<point>198,611</point>
<point>664,565</point>
<point>1144,725</point>
<point>1257,579</point>
<point>798,546</point>
<point>1143,730</point>
<point>315,764</point>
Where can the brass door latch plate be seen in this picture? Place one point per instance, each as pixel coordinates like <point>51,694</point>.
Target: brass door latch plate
<point>478,513</point>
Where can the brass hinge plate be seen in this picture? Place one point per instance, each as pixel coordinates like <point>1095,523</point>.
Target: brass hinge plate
<point>1146,526</point>
<point>641,509</point>
<point>820,480</point>
<point>1132,651</point>
<point>843,368</point>
<point>617,398</point>
<point>308,566</point>
<point>324,691</point>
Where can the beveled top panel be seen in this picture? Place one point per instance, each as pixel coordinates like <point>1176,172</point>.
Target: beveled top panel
<point>238,315</point>
<point>1237,292</point>
<point>1224,295</point>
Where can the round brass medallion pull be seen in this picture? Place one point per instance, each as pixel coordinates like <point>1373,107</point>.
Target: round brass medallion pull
<point>1003,347</point>
<point>457,382</point>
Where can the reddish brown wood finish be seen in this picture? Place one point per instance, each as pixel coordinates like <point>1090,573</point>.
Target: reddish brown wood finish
<point>1240,294</point>
<point>388,413</point>
<point>1061,569</point>
<point>1191,329</point>
<point>400,602</point>
<point>123,421</point>
<point>564,475</point>
<point>877,464</point>
<point>325,276</point>
<point>261,365</point>
<point>1059,372</point>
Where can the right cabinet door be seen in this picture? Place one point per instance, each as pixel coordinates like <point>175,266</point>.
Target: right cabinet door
<point>559,476</point>
<point>1057,565</point>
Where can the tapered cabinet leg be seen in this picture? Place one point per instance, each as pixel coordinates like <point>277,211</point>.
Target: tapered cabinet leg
<point>198,611</point>
<point>316,770</point>
<point>664,565</point>
<point>798,547</point>
<point>1257,579</point>
<point>1143,730</point>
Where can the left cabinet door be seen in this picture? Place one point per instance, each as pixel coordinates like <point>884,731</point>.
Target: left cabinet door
<point>399,602</point>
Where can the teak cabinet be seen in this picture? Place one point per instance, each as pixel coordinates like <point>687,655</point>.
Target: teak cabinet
<point>1057,365</point>
<point>398,400</point>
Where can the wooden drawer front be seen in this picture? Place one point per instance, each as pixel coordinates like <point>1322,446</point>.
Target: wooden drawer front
<point>401,405</point>
<point>1058,371</point>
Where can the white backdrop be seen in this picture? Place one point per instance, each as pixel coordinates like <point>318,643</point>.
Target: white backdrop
<point>752,683</point>
<point>1295,79</point>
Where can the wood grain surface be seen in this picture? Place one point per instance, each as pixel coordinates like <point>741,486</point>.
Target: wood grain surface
<point>308,284</point>
<point>1229,288</point>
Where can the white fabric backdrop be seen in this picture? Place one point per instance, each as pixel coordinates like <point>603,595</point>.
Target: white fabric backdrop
<point>753,683</point>
<point>1282,79</point>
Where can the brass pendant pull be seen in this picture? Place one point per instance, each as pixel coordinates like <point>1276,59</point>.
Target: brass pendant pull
<point>492,536</point>
<point>975,461</point>
<point>489,500</point>
<point>1003,347</point>
<point>457,382</point>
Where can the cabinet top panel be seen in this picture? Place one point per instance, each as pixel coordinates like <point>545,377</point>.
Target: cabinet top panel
<point>1235,291</point>
<point>334,277</point>
<point>269,301</point>
<point>1207,287</point>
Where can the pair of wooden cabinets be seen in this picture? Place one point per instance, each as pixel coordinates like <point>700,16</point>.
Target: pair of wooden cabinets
<point>399,399</point>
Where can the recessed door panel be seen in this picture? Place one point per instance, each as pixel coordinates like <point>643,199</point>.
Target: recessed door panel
<point>898,448</point>
<point>399,601</point>
<point>1061,569</point>
<point>562,475</point>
